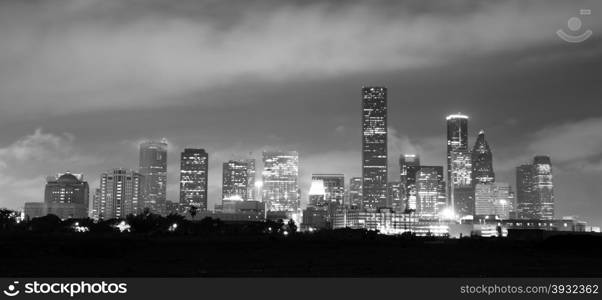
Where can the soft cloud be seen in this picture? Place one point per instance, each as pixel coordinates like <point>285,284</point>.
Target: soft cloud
<point>74,56</point>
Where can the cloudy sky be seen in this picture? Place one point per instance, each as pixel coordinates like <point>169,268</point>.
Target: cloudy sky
<point>83,82</point>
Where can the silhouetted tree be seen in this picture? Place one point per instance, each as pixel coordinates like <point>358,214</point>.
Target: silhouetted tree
<point>192,210</point>
<point>48,223</point>
<point>292,227</point>
<point>8,218</point>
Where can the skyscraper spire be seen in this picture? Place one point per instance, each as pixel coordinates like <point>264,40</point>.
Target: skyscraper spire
<point>482,161</point>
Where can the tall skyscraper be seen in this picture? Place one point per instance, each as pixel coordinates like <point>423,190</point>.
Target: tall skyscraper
<point>527,208</point>
<point>281,180</point>
<point>334,187</point>
<point>120,191</point>
<point>95,210</point>
<point>374,147</point>
<point>251,190</point>
<point>395,196</point>
<point>493,199</point>
<point>194,174</point>
<point>482,161</point>
<point>544,188</point>
<point>153,167</point>
<point>430,190</point>
<point>459,166</point>
<point>67,196</point>
<point>409,165</point>
<point>235,180</point>
<point>354,198</point>
<point>535,189</point>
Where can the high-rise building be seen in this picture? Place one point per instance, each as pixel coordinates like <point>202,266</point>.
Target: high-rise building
<point>482,161</point>
<point>120,191</point>
<point>430,190</point>
<point>374,147</point>
<point>355,192</point>
<point>317,194</point>
<point>251,190</point>
<point>535,190</point>
<point>543,186</point>
<point>395,196</point>
<point>153,167</point>
<point>194,174</point>
<point>95,211</point>
<point>235,180</point>
<point>334,188</point>
<point>459,166</point>
<point>527,208</point>
<point>493,199</point>
<point>281,180</point>
<point>409,165</point>
<point>67,196</point>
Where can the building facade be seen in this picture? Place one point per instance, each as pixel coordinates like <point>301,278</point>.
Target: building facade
<point>120,191</point>
<point>430,191</point>
<point>281,180</point>
<point>459,166</point>
<point>235,180</point>
<point>194,178</point>
<point>535,190</point>
<point>354,195</point>
<point>409,165</point>
<point>374,147</point>
<point>482,161</point>
<point>66,196</point>
<point>153,167</point>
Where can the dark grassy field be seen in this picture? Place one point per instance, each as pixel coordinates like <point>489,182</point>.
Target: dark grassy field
<point>68,255</point>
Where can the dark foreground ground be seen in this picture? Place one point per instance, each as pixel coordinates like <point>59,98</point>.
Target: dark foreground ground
<point>63,255</point>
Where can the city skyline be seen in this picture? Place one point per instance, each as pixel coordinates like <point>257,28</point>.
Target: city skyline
<point>83,129</point>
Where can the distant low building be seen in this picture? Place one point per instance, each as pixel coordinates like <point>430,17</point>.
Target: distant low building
<point>66,195</point>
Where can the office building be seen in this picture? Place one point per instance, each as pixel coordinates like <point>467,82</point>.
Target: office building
<point>482,161</point>
<point>281,180</point>
<point>354,198</point>
<point>334,188</point>
<point>66,195</point>
<point>235,180</point>
<point>374,147</point>
<point>535,190</point>
<point>459,166</point>
<point>409,165</point>
<point>153,168</point>
<point>120,191</point>
<point>194,174</point>
<point>430,191</point>
<point>395,196</point>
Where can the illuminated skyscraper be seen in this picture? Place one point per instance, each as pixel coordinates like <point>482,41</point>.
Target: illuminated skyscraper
<point>334,187</point>
<point>409,165</point>
<point>527,208</point>
<point>430,190</point>
<point>355,193</point>
<point>119,194</point>
<point>459,165</point>
<point>482,161</point>
<point>67,196</point>
<point>251,190</point>
<point>281,180</point>
<point>374,147</point>
<point>543,186</point>
<point>153,167</point>
<point>235,181</point>
<point>535,189</point>
<point>493,199</point>
<point>395,196</point>
<point>194,174</point>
